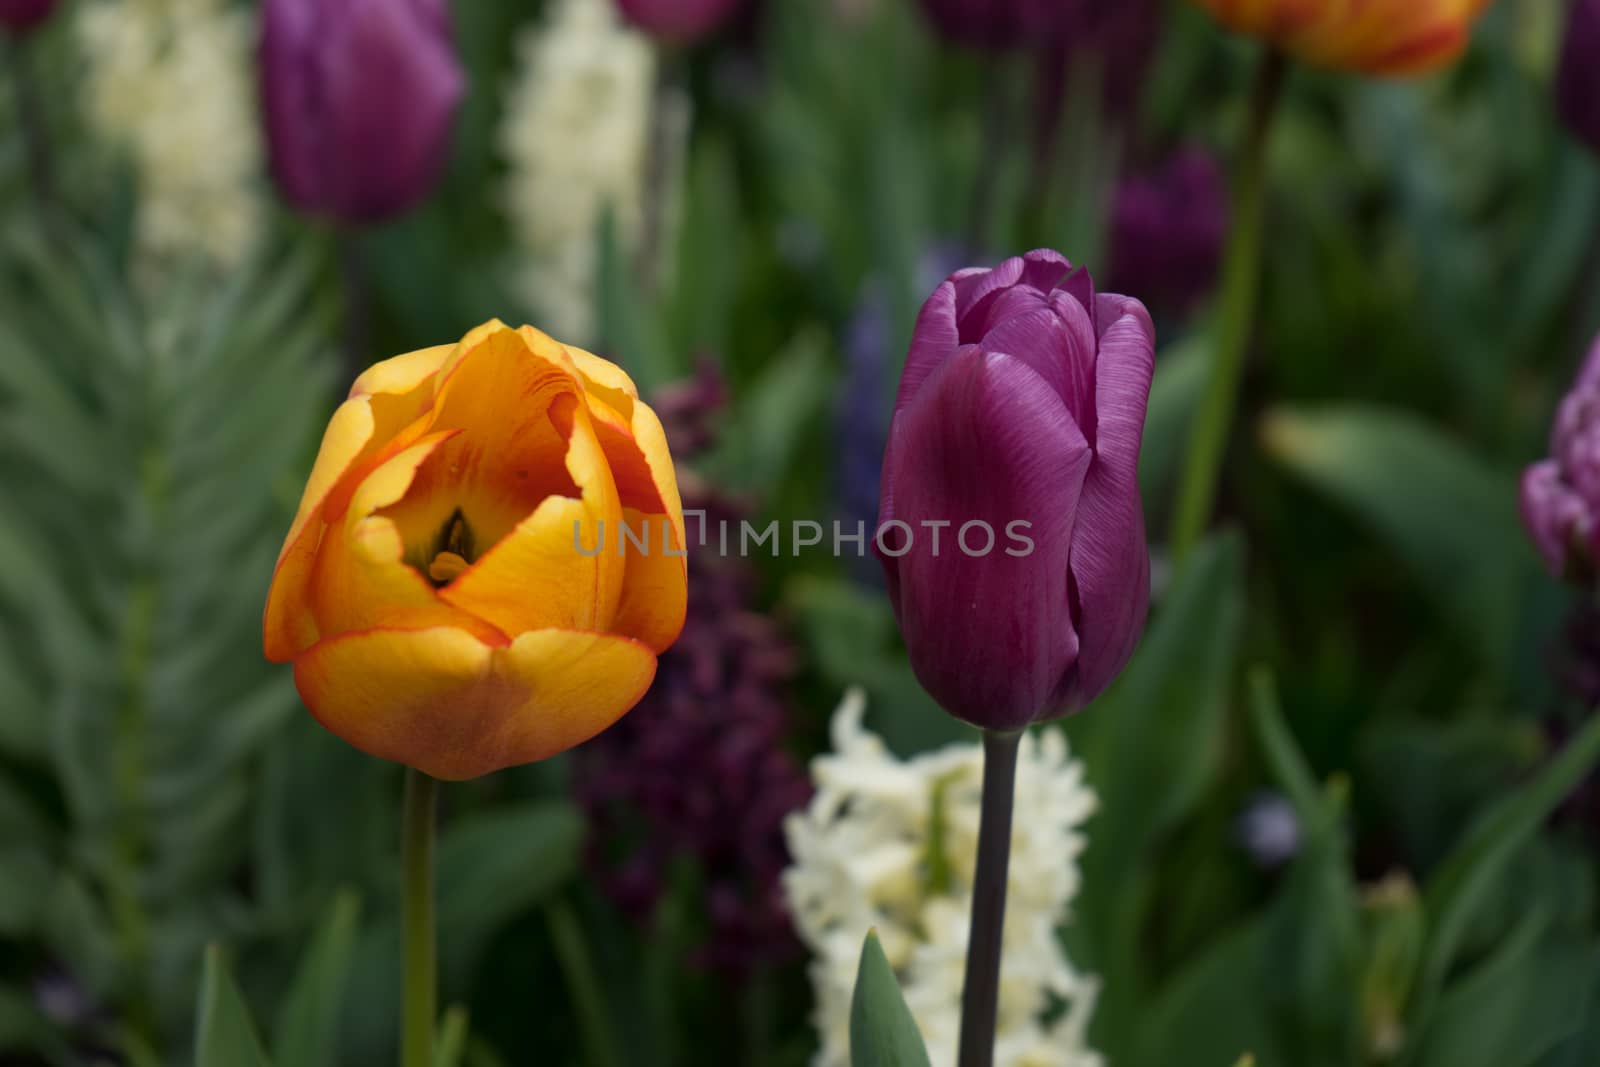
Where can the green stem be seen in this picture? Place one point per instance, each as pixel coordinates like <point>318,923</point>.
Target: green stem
<point>583,986</point>
<point>30,117</point>
<point>419,1006</point>
<point>980,995</point>
<point>1241,282</point>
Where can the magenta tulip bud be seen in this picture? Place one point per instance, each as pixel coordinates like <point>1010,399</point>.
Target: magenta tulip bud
<point>20,16</point>
<point>679,21</point>
<point>1578,76</point>
<point>359,98</point>
<point>1010,525</point>
<point>1560,496</point>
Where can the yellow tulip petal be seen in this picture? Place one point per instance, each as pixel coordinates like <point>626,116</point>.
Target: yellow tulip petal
<point>446,703</point>
<point>402,374</point>
<point>655,587</point>
<point>536,576</point>
<point>361,578</point>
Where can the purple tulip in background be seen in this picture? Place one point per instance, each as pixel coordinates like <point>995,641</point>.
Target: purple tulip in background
<point>1023,401</point>
<point>1000,23</point>
<point>1578,77</point>
<point>359,97</point>
<point>1561,495</point>
<point>680,21</point>
<point>1167,231</point>
<point>20,16</point>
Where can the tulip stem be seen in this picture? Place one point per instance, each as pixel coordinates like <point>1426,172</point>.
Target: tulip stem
<point>1241,282</point>
<point>356,293</point>
<point>980,995</point>
<point>419,1005</point>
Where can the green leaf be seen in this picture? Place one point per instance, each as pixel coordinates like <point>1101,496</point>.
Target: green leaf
<point>1212,1007</point>
<point>1152,747</point>
<point>225,1036</point>
<point>758,446</point>
<point>451,1043</point>
<point>1466,880</point>
<point>882,1031</point>
<point>1451,517</point>
<point>495,866</point>
<point>307,1033</point>
<point>1174,394</point>
<point>1515,1006</point>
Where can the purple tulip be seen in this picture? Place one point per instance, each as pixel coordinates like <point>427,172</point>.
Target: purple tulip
<point>359,97</point>
<point>19,16</point>
<point>1167,231</point>
<point>1001,23</point>
<point>679,21</point>
<point>1561,495</point>
<point>1578,77</point>
<point>1010,525</point>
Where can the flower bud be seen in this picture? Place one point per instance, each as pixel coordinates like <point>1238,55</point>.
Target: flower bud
<point>19,16</point>
<point>1578,76</point>
<point>358,98</point>
<point>1010,526</point>
<point>1392,37</point>
<point>680,21</point>
<point>1560,496</point>
<point>1167,231</point>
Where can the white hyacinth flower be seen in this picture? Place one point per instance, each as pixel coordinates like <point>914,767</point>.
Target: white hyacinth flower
<point>576,136</point>
<point>169,82</point>
<point>892,844</point>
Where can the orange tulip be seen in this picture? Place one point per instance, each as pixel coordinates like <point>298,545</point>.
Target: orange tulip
<point>440,592</point>
<point>1370,36</point>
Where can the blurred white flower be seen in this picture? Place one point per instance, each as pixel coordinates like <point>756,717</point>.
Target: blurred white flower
<point>169,81</point>
<point>576,134</point>
<point>891,844</point>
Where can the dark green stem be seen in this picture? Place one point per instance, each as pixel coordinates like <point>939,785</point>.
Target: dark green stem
<point>1241,282</point>
<point>419,1003</point>
<point>30,117</point>
<point>980,995</point>
<point>356,292</point>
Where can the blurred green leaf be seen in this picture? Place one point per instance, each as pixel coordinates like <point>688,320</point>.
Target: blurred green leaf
<point>631,328</point>
<point>882,1031</point>
<point>307,1033</point>
<point>1516,1005</point>
<point>1450,517</point>
<point>759,444</point>
<point>584,987</point>
<point>1212,1007</point>
<point>1152,746</point>
<point>225,1036</point>
<point>497,865</point>
<point>451,1043</point>
<point>1174,392</point>
<point>1465,881</point>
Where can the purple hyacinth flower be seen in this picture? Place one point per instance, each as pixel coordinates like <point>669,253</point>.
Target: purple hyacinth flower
<point>1560,496</point>
<point>1578,76</point>
<point>19,16</point>
<point>1168,228</point>
<point>359,97</point>
<point>1010,526</point>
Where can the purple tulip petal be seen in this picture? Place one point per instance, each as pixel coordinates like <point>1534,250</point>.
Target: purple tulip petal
<point>1110,562</point>
<point>972,288</point>
<point>1055,336</point>
<point>933,340</point>
<point>991,636</point>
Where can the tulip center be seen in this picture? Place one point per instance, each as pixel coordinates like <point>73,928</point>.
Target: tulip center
<point>452,550</point>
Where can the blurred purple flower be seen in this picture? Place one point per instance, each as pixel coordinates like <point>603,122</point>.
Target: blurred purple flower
<point>1118,39</point>
<point>1002,23</point>
<point>19,16</point>
<point>1268,829</point>
<point>1022,402</point>
<point>1560,496</point>
<point>1168,228</point>
<point>678,21</point>
<point>1578,76</point>
<point>699,770</point>
<point>358,97</point>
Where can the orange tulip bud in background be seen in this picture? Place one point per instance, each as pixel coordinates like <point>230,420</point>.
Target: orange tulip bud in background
<point>1369,36</point>
<point>457,592</point>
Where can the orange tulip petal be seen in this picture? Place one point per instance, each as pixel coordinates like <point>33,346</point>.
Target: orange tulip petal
<point>444,702</point>
<point>655,589</point>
